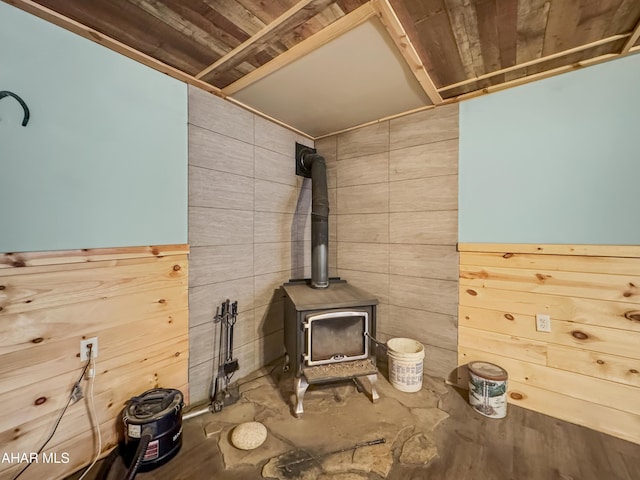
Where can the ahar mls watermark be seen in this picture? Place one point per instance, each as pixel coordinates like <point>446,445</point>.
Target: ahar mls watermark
<point>34,457</point>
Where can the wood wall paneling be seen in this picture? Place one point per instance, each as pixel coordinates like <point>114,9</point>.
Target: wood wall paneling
<point>586,369</point>
<point>133,299</point>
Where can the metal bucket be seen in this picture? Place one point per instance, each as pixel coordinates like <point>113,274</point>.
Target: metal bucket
<point>488,389</point>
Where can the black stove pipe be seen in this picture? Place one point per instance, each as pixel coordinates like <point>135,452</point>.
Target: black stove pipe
<point>314,163</point>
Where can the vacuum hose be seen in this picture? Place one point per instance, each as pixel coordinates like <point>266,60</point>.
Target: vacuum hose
<point>145,438</point>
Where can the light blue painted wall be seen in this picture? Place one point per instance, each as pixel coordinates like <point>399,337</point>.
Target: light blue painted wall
<point>103,161</point>
<point>555,161</point>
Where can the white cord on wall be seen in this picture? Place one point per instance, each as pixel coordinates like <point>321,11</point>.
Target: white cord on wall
<point>92,412</point>
<point>74,396</point>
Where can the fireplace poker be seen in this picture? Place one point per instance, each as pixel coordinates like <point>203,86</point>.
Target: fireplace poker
<point>231,321</point>
<point>370,443</point>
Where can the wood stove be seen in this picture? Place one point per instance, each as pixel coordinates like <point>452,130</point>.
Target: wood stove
<point>328,324</point>
<point>327,335</point>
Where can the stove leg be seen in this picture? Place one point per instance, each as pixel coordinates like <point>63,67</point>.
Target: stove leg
<point>373,378</point>
<point>300,386</point>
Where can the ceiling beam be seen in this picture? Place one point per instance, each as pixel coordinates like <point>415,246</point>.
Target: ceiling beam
<point>315,41</point>
<point>399,36</point>
<point>632,40</point>
<point>535,61</point>
<point>255,38</point>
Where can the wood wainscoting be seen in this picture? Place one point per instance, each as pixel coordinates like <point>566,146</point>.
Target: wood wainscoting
<point>135,300</point>
<point>587,369</point>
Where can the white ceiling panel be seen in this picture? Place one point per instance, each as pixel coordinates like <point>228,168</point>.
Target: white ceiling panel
<point>356,78</point>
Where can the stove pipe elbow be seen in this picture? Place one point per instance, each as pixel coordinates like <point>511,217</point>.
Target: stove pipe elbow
<point>319,219</point>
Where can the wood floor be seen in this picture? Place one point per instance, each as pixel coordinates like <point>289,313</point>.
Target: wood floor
<point>524,446</point>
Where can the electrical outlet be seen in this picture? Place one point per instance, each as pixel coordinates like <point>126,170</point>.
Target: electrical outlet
<point>84,348</point>
<point>543,322</point>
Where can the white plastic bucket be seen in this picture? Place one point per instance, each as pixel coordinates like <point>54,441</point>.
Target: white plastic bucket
<point>405,364</point>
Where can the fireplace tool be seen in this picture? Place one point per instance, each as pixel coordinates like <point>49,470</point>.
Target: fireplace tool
<point>223,394</point>
<point>295,465</point>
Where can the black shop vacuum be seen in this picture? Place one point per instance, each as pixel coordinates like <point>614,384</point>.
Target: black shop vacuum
<point>152,424</point>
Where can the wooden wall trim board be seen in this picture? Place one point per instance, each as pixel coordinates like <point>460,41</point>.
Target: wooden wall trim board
<point>537,76</point>
<point>315,41</point>
<point>58,257</point>
<point>535,61</point>
<point>632,40</point>
<point>134,299</point>
<point>399,36</point>
<point>627,251</point>
<point>587,369</point>
<point>270,28</point>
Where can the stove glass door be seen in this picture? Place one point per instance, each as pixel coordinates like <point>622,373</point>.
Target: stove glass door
<point>336,336</point>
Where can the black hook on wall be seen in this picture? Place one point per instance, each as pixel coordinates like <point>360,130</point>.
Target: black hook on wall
<point>5,93</point>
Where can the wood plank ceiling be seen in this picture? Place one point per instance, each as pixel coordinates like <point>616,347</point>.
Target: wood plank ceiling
<point>456,48</point>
